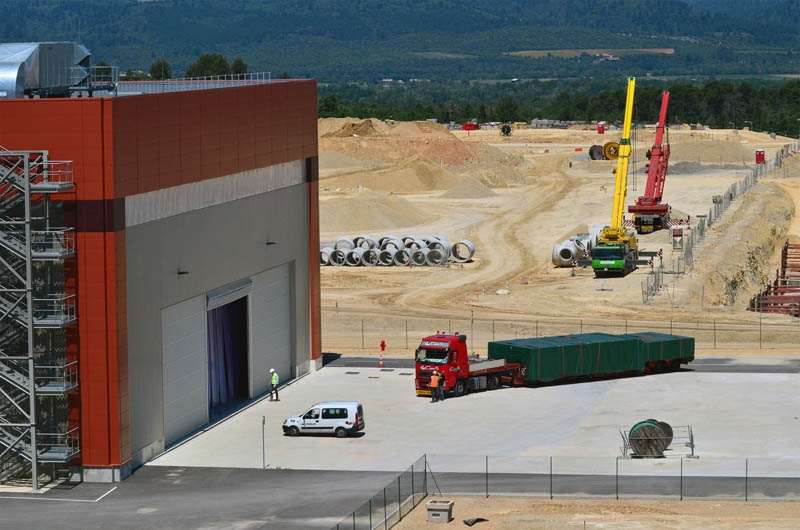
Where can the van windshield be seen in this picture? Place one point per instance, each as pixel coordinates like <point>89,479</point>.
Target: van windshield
<point>433,356</point>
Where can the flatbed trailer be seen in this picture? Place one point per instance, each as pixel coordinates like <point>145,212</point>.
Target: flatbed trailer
<point>546,360</point>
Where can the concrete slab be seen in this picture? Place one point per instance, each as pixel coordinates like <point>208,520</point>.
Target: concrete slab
<point>734,416</point>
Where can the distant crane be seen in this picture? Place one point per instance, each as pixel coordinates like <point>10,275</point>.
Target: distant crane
<point>649,214</point>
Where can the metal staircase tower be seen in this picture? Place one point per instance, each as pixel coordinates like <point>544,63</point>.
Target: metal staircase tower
<point>36,314</point>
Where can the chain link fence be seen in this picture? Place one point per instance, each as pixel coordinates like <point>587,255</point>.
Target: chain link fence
<point>393,502</point>
<point>679,477</point>
<point>344,333</point>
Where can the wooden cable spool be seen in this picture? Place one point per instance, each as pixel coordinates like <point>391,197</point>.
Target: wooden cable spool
<point>611,150</point>
<point>650,438</point>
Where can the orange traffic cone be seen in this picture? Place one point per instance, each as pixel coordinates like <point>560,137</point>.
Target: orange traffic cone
<point>380,364</point>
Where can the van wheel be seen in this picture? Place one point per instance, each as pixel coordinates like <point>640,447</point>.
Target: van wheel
<point>293,431</point>
<point>341,432</point>
<point>492,383</point>
<point>459,389</point>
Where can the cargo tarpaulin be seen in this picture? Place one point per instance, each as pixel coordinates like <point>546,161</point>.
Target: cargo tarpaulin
<point>664,347</point>
<point>548,359</point>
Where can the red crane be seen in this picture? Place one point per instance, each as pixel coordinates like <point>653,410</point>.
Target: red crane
<point>649,214</point>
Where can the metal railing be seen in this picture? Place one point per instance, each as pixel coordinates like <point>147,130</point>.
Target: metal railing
<point>57,308</point>
<point>195,83</point>
<point>61,378</point>
<point>58,446</point>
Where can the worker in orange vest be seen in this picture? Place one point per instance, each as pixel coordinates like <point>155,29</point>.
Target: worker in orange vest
<point>435,378</point>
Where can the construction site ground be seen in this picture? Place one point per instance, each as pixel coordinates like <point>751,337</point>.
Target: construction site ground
<point>515,198</point>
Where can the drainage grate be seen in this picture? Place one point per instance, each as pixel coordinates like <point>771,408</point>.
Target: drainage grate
<point>406,373</point>
<point>352,373</point>
<point>387,369</point>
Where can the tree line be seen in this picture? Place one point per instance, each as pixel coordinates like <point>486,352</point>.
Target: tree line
<point>717,103</point>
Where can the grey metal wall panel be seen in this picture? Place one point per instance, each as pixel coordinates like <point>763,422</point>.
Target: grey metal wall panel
<point>216,245</point>
<point>185,380</point>
<point>271,330</point>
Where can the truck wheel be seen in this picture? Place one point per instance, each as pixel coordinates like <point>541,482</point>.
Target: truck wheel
<point>460,388</point>
<point>492,383</point>
<point>293,431</point>
<point>341,432</point>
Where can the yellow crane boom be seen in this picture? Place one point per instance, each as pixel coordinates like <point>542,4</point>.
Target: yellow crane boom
<point>615,231</point>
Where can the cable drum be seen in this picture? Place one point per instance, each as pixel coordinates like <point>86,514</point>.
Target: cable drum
<point>649,439</point>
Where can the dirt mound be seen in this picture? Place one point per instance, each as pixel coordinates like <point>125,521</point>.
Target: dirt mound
<point>367,211</point>
<point>469,188</point>
<point>361,128</point>
<point>331,161</point>
<point>413,175</point>
<point>739,262</point>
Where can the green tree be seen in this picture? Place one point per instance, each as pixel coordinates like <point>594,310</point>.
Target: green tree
<point>507,109</point>
<point>238,66</point>
<point>285,75</point>
<point>160,69</point>
<point>331,106</point>
<point>209,65</point>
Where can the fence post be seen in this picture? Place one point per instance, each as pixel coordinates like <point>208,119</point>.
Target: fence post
<point>745,480</point>
<point>370,512</point>
<point>715,334</point>
<point>362,333</point>
<point>406,333</point>
<point>551,478</point>
<point>681,478</point>
<point>616,476</point>
<point>581,326</point>
<point>399,499</point>
<point>385,511</point>
<point>487,476</point>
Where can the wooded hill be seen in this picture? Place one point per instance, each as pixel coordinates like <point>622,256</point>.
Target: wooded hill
<point>365,40</point>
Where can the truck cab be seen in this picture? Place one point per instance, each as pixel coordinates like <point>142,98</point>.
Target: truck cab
<point>446,353</point>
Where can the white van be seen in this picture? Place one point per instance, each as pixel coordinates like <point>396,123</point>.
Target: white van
<point>337,417</point>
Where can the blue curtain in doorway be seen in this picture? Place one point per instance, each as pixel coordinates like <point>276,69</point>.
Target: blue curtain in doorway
<point>227,357</point>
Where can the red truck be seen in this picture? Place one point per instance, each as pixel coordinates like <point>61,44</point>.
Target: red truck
<point>460,373</point>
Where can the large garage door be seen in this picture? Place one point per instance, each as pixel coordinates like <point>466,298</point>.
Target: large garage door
<point>271,326</point>
<point>183,346</point>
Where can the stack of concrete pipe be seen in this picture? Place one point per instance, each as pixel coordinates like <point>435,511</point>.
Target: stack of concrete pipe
<point>433,251</point>
<point>575,248</point>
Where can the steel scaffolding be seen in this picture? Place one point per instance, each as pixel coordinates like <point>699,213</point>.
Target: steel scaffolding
<point>37,372</point>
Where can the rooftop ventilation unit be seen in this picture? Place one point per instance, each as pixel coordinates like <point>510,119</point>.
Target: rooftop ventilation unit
<point>52,70</point>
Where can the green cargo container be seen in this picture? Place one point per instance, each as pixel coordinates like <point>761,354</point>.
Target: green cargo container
<point>663,347</point>
<point>548,359</point>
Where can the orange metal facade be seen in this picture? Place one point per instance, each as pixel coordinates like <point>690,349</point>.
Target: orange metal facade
<point>134,144</point>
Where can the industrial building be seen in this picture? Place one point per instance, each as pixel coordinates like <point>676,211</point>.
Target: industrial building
<point>158,255</point>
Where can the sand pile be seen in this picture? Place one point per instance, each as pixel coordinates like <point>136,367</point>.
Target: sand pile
<point>412,175</point>
<point>364,128</point>
<point>711,151</point>
<point>469,188</point>
<point>367,211</point>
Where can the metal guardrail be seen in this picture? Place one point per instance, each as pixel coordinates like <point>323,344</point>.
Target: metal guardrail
<point>58,309</point>
<point>58,446</point>
<point>57,379</point>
